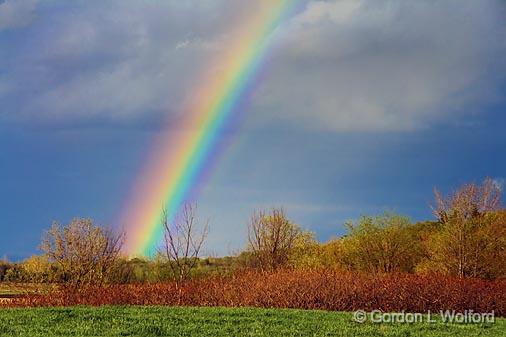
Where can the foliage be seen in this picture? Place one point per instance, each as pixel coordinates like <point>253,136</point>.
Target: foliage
<point>272,238</point>
<point>4,267</point>
<point>38,269</point>
<point>306,252</point>
<point>303,289</point>
<point>471,241</point>
<point>82,251</point>
<point>467,240</point>
<point>387,243</point>
<point>142,270</point>
<point>16,273</point>
<point>34,269</point>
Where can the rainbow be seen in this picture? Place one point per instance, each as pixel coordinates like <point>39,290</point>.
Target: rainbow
<point>179,162</point>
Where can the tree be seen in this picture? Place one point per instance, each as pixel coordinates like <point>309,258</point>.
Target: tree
<point>4,268</point>
<point>306,252</point>
<point>183,241</point>
<point>471,240</point>
<point>271,238</point>
<point>37,268</point>
<point>83,252</point>
<point>469,202</point>
<point>331,254</point>
<point>384,244</point>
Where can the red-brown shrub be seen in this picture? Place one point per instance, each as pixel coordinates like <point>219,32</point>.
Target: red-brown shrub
<point>327,290</point>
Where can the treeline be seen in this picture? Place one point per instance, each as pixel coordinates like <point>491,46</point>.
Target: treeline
<point>467,238</point>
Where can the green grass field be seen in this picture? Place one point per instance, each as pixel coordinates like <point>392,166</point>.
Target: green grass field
<point>169,321</point>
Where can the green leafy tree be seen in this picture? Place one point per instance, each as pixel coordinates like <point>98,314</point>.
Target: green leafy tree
<point>471,240</point>
<point>306,252</point>
<point>386,243</point>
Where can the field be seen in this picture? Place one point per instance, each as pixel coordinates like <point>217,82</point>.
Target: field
<point>187,321</point>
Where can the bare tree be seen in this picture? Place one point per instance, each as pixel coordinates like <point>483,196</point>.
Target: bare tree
<point>271,238</point>
<point>468,202</point>
<point>183,241</point>
<point>83,252</point>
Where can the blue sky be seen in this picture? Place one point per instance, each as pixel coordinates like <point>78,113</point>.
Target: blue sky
<point>364,106</point>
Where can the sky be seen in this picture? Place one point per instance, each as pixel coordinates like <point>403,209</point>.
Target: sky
<point>363,106</point>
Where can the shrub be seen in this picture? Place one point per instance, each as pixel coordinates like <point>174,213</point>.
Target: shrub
<point>37,269</point>
<point>303,289</point>
<point>4,267</point>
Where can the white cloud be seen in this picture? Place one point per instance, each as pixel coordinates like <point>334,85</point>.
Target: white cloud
<point>385,65</point>
<point>16,13</point>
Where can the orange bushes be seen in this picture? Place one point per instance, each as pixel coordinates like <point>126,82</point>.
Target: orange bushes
<point>328,290</point>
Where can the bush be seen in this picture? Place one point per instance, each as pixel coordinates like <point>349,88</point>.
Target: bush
<point>317,289</point>
<point>16,273</point>
<point>4,267</point>
<point>37,269</point>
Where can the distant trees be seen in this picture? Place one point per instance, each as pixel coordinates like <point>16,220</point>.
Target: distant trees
<point>467,239</point>
<point>140,270</point>
<point>4,267</point>
<point>81,251</point>
<point>183,241</point>
<point>37,268</point>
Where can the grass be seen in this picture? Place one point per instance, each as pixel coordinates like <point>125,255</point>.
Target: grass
<point>187,321</point>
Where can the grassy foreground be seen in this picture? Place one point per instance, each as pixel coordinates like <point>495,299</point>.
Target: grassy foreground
<point>180,321</point>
